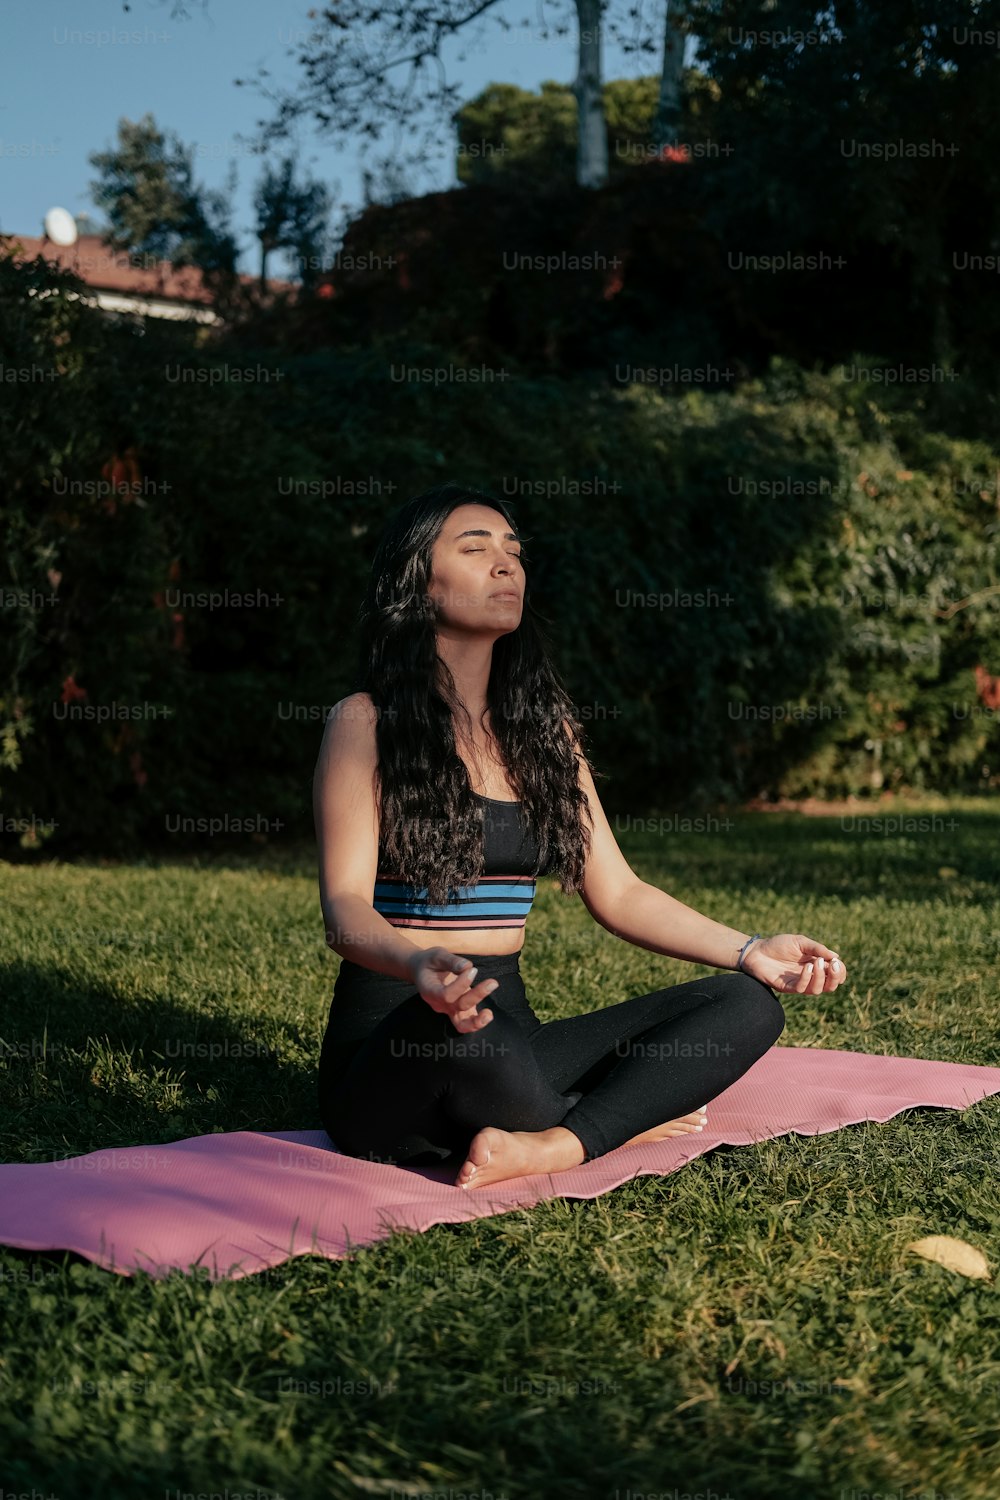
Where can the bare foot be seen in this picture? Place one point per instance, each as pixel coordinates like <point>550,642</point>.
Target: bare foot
<point>495,1155</point>
<point>685,1125</point>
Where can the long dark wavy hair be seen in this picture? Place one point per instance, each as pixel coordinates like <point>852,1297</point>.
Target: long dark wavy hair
<point>431,825</point>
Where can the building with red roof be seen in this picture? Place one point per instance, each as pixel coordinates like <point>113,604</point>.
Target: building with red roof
<point>125,281</point>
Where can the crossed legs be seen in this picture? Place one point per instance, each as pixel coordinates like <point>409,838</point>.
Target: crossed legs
<point>497,1098</point>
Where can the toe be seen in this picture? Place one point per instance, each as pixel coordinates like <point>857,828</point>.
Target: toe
<point>479,1155</point>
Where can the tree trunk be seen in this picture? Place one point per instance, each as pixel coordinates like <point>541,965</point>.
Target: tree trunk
<point>263,266</point>
<point>592,136</point>
<point>668,106</point>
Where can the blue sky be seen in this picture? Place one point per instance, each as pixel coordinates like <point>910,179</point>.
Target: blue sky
<point>71,69</point>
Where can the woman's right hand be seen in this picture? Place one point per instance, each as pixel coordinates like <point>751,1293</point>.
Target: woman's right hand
<point>446,982</point>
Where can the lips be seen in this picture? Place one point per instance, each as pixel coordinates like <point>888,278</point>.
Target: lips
<point>511,594</point>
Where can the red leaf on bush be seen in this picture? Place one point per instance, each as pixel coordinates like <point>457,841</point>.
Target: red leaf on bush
<point>614,280</point>
<point>987,687</point>
<point>71,691</point>
<point>122,474</point>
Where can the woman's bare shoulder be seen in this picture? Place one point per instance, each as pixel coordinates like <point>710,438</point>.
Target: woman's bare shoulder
<point>356,706</point>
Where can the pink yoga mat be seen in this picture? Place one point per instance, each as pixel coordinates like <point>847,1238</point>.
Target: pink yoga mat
<point>242,1202</point>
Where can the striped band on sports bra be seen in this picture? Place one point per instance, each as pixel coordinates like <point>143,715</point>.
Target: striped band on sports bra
<point>496,901</point>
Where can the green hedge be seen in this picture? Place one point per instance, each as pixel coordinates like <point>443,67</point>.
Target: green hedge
<point>807,504</point>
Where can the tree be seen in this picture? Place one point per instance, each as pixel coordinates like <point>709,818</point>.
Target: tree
<point>591,138</point>
<point>669,104</point>
<point>510,136</point>
<point>879,120</point>
<point>291,216</point>
<point>358,51</point>
<point>371,68</point>
<point>147,189</point>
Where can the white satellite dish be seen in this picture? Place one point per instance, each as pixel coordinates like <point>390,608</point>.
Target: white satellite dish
<point>60,226</point>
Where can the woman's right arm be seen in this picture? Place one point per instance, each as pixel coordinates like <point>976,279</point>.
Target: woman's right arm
<point>346,819</point>
<point>347,832</point>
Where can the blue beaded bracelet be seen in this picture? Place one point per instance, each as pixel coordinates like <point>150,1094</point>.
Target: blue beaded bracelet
<point>746,945</point>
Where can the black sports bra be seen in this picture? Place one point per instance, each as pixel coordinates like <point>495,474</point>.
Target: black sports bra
<point>502,897</point>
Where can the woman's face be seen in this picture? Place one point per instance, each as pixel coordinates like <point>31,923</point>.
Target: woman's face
<point>474,562</point>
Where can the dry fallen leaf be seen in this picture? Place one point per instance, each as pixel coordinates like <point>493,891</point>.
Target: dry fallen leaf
<point>955,1255</point>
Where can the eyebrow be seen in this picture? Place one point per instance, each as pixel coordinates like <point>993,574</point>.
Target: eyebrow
<point>508,536</point>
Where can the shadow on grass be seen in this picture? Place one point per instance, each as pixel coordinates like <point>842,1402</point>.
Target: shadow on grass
<point>85,1069</point>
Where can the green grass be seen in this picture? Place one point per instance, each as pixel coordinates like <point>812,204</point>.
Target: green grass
<point>751,1325</point>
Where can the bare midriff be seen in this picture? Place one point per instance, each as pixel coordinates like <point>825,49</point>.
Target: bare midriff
<point>469,940</point>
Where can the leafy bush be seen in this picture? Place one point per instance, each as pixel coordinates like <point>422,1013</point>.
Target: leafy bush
<point>799,504</point>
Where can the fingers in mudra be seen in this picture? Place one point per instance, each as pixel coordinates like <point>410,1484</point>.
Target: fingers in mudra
<point>460,1005</point>
<point>820,977</point>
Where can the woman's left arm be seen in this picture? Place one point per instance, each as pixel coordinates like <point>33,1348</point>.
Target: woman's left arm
<point>790,962</point>
<point>644,915</point>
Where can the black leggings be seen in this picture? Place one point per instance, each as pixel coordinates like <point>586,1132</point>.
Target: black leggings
<point>398,1083</point>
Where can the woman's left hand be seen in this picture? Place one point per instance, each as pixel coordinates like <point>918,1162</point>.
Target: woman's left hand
<point>795,965</point>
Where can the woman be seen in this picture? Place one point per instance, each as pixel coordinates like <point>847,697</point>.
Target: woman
<point>452,777</point>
